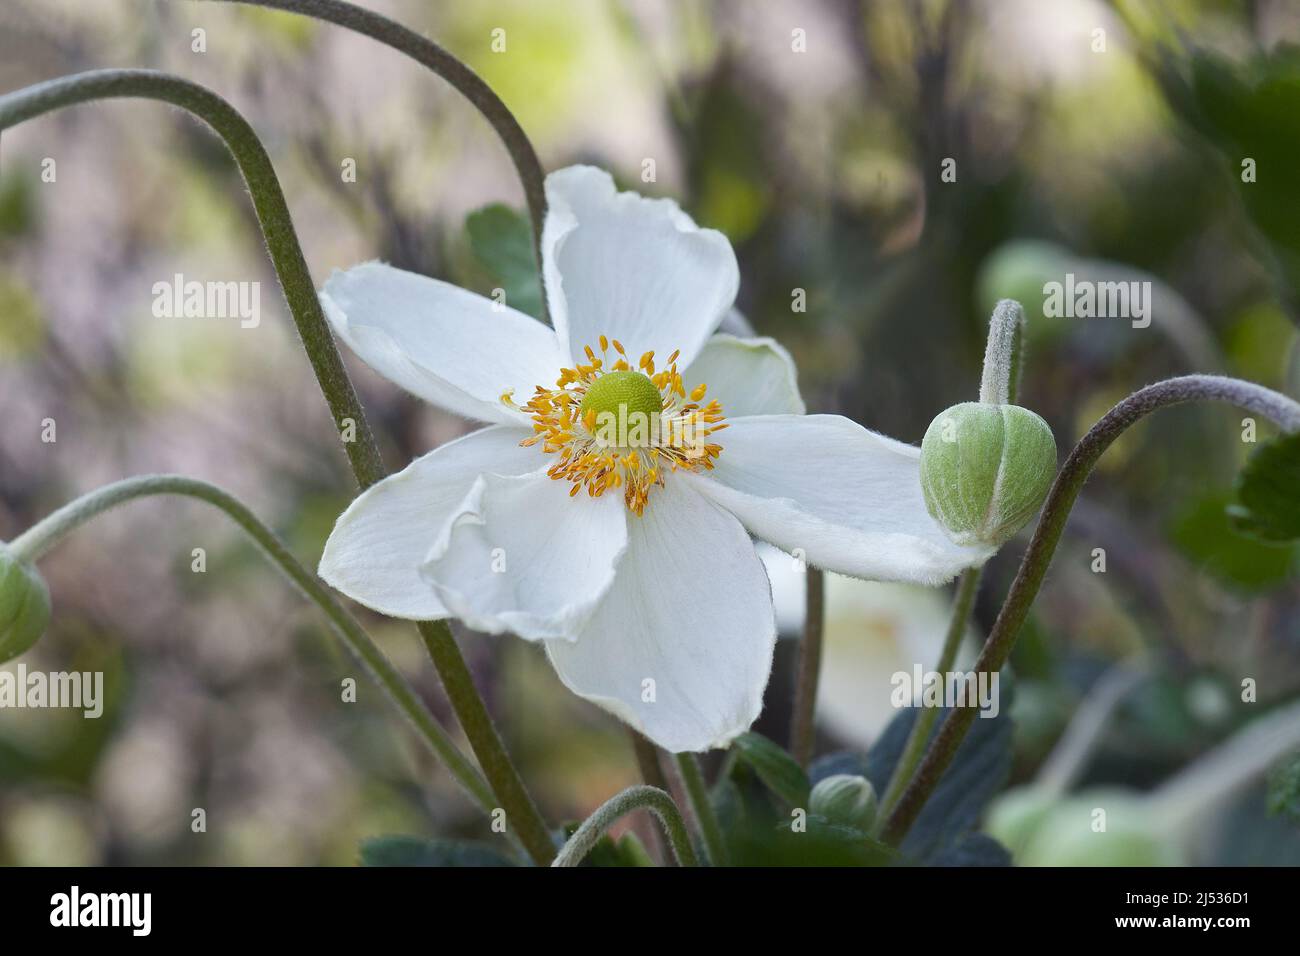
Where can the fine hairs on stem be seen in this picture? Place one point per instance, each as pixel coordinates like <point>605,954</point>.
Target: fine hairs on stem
<point>620,805</point>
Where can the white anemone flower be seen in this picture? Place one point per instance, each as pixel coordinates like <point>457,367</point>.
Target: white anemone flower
<point>629,556</point>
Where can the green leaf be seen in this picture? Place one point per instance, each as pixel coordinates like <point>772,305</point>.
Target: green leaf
<point>776,768</point>
<point>633,852</point>
<point>502,241</point>
<point>1251,111</point>
<point>1268,492</point>
<point>974,849</point>
<point>825,843</point>
<point>399,850</point>
<point>1284,789</point>
<point>1204,532</point>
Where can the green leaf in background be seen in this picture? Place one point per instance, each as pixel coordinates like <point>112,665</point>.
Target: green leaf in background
<point>22,330</point>
<point>728,175</point>
<point>17,206</point>
<point>1253,113</point>
<point>776,768</point>
<point>1268,492</point>
<point>1284,789</point>
<point>974,849</point>
<point>1205,534</point>
<point>398,850</point>
<point>502,241</point>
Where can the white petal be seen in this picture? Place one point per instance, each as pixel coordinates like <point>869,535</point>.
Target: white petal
<point>523,557</point>
<point>735,323</point>
<point>635,269</point>
<point>848,499</point>
<point>450,347</point>
<point>377,546</point>
<point>690,610</point>
<point>748,376</point>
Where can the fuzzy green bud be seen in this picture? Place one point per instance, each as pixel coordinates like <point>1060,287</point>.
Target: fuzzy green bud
<point>985,470</point>
<point>845,799</point>
<point>24,605</point>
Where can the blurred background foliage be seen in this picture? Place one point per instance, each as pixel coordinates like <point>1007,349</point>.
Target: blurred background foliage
<point>825,170</point>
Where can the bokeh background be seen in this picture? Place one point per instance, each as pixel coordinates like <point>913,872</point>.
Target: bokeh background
<point>825,170</point>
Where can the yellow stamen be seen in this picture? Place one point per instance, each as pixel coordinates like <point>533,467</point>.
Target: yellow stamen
<point>637,465</point>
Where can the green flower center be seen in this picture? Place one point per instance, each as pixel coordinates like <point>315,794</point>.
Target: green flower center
<point>623,394</point>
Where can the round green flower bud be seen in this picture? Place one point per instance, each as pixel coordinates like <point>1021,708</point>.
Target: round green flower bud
<point>845,799</point>
<point>24,605</point>
<point>985,470</point>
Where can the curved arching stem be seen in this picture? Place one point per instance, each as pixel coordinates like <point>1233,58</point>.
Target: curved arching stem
<point>49,531</point>
<point>1281,410</point>
<point>300,293</point>
<point>272,215</point>
<point>468,83</point>
<point>658,802</point>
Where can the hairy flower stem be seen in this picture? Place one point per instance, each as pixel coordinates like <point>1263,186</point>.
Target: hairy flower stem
<point>1003,354</point>
<point>803,723</point>
<point>522,815</point>
<point>300,293</point>
<point>43,535</point>
<point>620,805</point>
<point>1004,357</point>
<point>462,78</point>
<point>697,796</point>
<point>1280,409</point>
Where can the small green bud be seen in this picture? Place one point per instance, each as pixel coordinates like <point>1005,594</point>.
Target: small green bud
<point>24,605</point>
<point>845,799</point>
<point>985,470</point>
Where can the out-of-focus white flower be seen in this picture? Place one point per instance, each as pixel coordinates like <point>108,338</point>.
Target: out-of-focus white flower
<point>873,630</point>
<point>628,555</point>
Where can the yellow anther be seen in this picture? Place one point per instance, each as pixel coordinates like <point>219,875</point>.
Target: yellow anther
<point>564,420</point>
